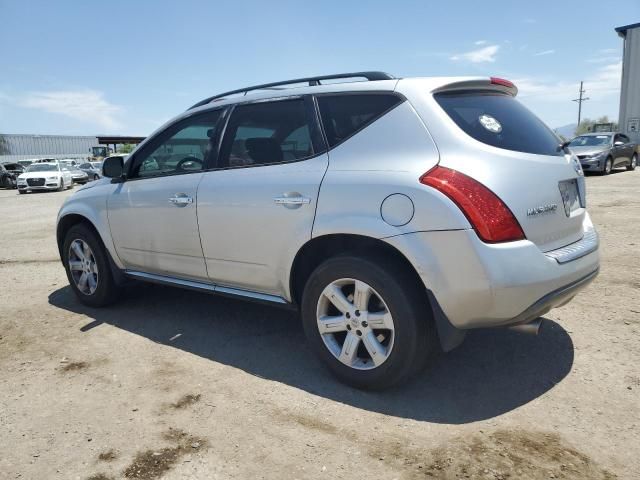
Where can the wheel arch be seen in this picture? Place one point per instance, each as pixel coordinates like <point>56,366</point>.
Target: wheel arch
<point>66,222</point>
<point>318,249</point>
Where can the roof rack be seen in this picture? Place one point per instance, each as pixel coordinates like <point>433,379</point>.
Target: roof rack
<point>312,81</point>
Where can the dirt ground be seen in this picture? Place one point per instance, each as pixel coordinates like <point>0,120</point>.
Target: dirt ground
<point>176,384</point>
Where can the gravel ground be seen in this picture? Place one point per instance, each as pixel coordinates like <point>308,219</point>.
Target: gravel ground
<point>176,384</point>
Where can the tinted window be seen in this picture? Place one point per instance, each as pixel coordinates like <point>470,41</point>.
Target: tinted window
<point>501,121</point>
<point>263,133</point>
<point>183,148</point>
<point>624,138</point>
<point>344,115</point>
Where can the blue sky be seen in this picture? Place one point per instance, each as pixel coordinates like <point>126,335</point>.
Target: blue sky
<point>125,67</point>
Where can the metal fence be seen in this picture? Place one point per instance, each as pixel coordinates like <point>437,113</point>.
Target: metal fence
<point>15,147</point>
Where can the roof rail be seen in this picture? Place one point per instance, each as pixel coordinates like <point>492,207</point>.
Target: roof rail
<point>370,76</point>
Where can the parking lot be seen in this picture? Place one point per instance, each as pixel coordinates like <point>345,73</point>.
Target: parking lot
<point>177,384</point>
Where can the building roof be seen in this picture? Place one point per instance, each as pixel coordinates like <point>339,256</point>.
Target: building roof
<point>622,31</point>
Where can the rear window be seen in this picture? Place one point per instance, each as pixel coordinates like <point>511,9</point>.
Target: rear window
<point>499,120</point>
<point>344,115</point>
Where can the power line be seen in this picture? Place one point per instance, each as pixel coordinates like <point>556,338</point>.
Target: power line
<point>580,99</point>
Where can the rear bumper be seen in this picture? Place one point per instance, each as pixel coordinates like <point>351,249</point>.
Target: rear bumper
<point>478,285</point>
<point>557,298</point>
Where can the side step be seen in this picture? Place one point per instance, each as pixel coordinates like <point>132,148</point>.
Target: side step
<point>206,287</point>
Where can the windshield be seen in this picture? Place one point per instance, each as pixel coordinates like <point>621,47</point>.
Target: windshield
<point>42,167</point>
<point>590,141</point>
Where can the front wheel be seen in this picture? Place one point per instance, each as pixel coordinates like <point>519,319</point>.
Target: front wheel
<point>87,265</point>
<point>95,177</point>
<point>368,320</point>
<point>61,187</point>
<point>634,162</point>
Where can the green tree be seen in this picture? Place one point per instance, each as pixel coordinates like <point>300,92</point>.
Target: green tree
<point>125,148</point>
<point>587,125</point>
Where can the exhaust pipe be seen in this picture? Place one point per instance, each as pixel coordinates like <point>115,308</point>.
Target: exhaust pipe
<point>531,328</point>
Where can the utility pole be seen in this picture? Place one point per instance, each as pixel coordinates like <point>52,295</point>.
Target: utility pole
<point>580,99</point>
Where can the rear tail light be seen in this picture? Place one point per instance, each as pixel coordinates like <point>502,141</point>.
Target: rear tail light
<point>489,216</point>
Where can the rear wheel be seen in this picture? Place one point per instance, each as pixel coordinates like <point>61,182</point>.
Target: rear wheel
<point>368,321</point>
<point>634,162</point>
<point>87,265</point>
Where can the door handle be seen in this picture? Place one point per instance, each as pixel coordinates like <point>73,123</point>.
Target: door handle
<point>181,200</point>
<point>292,202</point>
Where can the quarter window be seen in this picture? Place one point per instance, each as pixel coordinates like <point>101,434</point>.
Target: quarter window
<point>185,148</point>
<point>344,115</point>
<point>264,133</point>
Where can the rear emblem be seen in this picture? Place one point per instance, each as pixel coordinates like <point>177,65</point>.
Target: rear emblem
<point>490,123</point>
<point>551,208</point>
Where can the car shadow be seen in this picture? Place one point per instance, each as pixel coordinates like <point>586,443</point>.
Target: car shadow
<point>491,373</point>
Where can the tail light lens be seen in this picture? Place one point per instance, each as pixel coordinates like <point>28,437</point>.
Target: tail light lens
<point>489,216</point>
<point>501,81</point>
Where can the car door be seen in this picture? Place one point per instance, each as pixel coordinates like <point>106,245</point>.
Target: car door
<point>627,148</point>
<point>152,215</point>
<point>66,175</point>
<point>257,208</point>
<point>618,151</point>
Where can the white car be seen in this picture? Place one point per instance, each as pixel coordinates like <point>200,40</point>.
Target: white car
<point>44,176</point>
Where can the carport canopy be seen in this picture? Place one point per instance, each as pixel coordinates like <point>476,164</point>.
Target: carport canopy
<point>119,140</point>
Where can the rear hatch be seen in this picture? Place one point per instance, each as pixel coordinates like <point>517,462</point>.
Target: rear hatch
<point>500,143</point>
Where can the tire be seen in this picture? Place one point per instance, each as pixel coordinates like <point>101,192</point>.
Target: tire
<point>634,162</point>
<point>95,177</point>
<point>105,290</point>
<point>409,345</point>
<point>21,192</point>
<point>61,187</point>
<point>607,167</point>
<point>7,183</point>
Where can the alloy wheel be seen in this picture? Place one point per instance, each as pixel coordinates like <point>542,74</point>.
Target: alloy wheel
<point>83,267</point>
<point>355,324</point>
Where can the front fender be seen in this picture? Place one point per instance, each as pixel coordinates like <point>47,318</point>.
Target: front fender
<point>91,204</point>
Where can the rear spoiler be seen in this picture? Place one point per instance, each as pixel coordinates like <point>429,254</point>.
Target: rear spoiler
<point>491,83</point>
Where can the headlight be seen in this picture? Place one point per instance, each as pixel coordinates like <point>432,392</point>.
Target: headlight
<point>52,178</point>
<point>597,156</point>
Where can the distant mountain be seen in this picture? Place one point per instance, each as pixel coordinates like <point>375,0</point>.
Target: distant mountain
<point>567,131</point>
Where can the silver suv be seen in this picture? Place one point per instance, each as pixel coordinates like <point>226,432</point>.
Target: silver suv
<point>396,214</point>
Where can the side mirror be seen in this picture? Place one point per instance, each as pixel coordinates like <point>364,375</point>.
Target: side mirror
<point>113,167</point>
<point>618,143</point>
<point>565,145</point>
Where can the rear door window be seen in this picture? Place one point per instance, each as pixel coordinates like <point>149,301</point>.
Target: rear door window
<point>344,115</point>
<point>267,132</point>
<point>499,120</point>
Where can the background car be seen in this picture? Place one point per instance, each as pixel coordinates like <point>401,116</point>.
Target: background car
<point>9,173</point>
<point>44,176</point>
<point>94,173</point>
<point>77,175</point>
<point>601,152</point>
